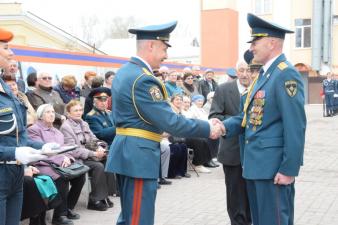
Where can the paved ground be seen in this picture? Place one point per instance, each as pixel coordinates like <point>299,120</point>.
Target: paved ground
<point>201,200</point>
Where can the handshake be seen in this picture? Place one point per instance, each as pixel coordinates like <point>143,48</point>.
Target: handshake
<point>217,128</point>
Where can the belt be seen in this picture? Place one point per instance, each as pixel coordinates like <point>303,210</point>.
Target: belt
<point>135,132</point>
<point>10,162</point>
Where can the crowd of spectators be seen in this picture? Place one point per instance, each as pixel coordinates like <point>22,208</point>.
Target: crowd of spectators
<point>67,113</point>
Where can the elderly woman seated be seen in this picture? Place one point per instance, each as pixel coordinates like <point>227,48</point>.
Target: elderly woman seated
<point>44,131</point>
<point>77,132</point>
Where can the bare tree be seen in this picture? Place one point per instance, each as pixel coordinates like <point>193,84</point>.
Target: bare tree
<point>117,28</point>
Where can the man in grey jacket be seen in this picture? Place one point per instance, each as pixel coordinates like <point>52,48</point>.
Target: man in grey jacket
<point>225,104</point>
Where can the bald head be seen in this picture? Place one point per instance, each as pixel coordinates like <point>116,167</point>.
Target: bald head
<point>154,52</point>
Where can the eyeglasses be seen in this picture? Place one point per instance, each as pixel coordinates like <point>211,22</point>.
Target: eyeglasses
<point>46,78</point>
<point>189,78</point>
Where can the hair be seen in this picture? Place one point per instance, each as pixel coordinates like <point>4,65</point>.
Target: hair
<point>41,109</point>
<point>89,74</point>
<point>141,44</point>
<point>188,74</point>
<point>41,74</point>
<point>172,98</point>
<point>72,103</point>
<point>239,63</point>
<point>97,82</point>
<point>8,77</point>
<point>108,74</point>
<point>69,81</point>
<point>31,79</point>
<point>179,77</point>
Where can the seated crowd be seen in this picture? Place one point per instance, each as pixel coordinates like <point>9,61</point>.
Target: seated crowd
<point>65,115</point>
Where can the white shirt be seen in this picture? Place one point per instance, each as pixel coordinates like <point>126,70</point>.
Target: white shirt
<point>147,64</point>
<point>240,87</point>
<point>269,63</point>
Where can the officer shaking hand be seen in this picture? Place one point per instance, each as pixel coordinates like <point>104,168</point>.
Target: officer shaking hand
<point>141,113</point>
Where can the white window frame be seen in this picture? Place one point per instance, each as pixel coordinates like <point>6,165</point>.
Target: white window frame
<point>302,27</point>
<point>262,10</point>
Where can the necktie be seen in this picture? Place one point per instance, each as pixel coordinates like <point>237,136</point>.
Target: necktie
<point>261,74</point>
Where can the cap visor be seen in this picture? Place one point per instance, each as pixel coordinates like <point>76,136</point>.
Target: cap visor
<point>167,43</point>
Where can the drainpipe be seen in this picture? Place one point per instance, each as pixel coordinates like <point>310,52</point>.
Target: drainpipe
<point>317,21</point>
<point>327,24</point>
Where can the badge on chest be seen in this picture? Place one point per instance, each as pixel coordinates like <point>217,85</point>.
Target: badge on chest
<point>257,109</point>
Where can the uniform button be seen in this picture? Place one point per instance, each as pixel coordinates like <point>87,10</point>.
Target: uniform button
<point>247,142</point>
<point>247,126</point>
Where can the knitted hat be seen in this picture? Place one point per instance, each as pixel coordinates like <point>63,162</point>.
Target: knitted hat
<point>195,98</point>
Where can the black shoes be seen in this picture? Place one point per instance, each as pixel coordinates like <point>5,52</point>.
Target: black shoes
<point>211,164</point>
<point>72,215</point>
<point>98,206</point>
<point>109,203</point>
<point>164,181</point>
<point>61,220</point>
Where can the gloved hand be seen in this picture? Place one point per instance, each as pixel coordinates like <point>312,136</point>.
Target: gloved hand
<point>27,155</point>
<point>50,146</point>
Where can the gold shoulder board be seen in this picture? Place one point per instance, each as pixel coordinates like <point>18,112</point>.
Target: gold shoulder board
<point>282,65</point>
<point>91,112</point>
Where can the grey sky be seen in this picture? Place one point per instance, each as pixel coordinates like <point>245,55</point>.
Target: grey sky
<point>67,13</point>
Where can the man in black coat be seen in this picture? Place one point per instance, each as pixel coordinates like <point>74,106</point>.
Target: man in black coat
<point>225,104</point>
<point>207,84</point>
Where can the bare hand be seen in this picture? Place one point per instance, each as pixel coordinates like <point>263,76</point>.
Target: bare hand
<point>34,170</point>
<point>100,154</point>
<point>216,128</point>
<point>30,171</point>
<point>282,179</point>
<point>66,162</point>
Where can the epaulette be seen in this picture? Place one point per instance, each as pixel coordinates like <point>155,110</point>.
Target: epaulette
<point>91,112</point>
<point>282,65</point>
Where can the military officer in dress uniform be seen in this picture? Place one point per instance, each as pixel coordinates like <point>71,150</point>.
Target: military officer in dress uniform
<point>13,144</point>
<point>273,123</point>
<point>142,113</point>
<point>99,118</point>
<point>329,88</point>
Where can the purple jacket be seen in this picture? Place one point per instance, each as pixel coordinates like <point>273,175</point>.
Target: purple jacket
<point>40,132</point>
<point>78,133</point>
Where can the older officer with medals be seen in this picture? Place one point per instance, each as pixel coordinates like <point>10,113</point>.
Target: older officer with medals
<point>13,142</point>
<point>273,124</point>
<point>142,113</point>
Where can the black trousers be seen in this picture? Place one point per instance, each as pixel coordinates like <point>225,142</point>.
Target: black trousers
<point>178,160</point>
<point>98,181</point>
<point>69,196</point>
<point>213,146</point>
<point>33,203</point>
<point>201,148</point>
<point>237,198</point>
